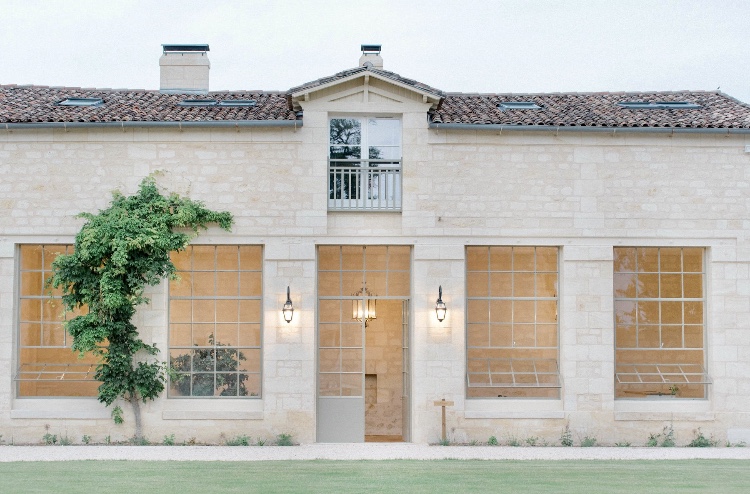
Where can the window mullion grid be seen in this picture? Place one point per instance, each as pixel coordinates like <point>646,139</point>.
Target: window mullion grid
<point>659,292</point>
<point>512,302</point>
<point>536,305</point>
<point>682,294</point>
<point>216,291</point>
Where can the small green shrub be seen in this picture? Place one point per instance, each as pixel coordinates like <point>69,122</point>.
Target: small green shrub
<point>239,441</point>
<point>566,438</point>
<point>49,439</point>
<point>168,440</point>
<point>473,442</point>
<point>701,441</point>
<point>441,442</point>
<point>86,439</point>
<point>532,441</point>
<point>492,441</point>
<point>261,442</point>
<point>513,441</point>
<point>668,437</point>
<point>588,442</point>
<point>138,441</point>
<point>284,440</point>
<point>65,441</point>
<point>622,444</point>
<point>107,440</point>
<point>653,440</point>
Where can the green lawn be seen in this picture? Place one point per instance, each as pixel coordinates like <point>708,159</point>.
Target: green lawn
<point>330,477</point>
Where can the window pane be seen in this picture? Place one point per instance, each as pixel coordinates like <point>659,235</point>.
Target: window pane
<point>523,284</point>
<point>625,285</point>
<point>670,285</point>
<point>476,284</point>
<point>648,260</point>
<point>546,259</point>
<point>477,258</point>
<point>693,285</point>
<point>523,259</point>
<point>384,131</point>
<point>345,131</point>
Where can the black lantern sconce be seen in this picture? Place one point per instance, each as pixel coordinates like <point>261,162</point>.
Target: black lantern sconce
<point>440,308</point>
<point>288,309</point>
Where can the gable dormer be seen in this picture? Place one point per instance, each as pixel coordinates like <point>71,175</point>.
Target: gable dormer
<point>366,88</point>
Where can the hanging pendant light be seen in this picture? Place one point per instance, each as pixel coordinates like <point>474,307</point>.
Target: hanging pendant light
<point>364,307</point>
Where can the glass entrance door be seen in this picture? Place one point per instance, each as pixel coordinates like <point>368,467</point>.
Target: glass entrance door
<point>356,367</point>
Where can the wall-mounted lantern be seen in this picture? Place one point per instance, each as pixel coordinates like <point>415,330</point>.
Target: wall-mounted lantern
<point>440,308</point>
<point>288,309</point>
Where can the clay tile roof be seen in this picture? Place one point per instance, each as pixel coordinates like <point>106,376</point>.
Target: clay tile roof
<point>34,104</point>
<point>716,110</point>
<point>360,70</point>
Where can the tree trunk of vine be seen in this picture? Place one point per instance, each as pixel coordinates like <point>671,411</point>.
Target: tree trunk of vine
<point>136,403</point>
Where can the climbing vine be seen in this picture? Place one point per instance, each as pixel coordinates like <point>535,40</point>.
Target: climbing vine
<point>118,253</point>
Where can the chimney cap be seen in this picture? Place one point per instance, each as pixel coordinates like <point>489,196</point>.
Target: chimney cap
<point>184,48</point>
<point>371,49</point>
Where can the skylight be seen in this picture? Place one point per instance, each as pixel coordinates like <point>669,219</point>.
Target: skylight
<point>81,102</point>
<point>659,105</point>
<point>197,102</point>
<point>237,102</point>
<point>519,105</point>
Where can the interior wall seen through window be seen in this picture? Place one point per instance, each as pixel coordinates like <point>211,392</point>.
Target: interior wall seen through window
<point>512,331</point>
<point>659,301</point>
<point>47,366</point>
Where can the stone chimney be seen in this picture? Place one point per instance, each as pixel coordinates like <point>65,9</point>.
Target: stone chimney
<point>371,57</point>
<point>184,69</point>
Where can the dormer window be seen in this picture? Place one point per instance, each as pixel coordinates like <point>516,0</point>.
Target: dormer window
<point>518,105</point>
<point>197,102</point>
<point>658,105</point>
<point>81,102</point>
<point>238,102</point>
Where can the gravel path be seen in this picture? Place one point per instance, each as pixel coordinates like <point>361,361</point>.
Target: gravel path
<point>367,451</point>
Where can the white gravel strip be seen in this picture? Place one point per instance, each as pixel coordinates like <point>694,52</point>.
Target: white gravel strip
<point>367,451</point>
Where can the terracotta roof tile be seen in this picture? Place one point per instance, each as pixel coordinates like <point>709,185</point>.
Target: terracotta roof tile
<point>717,110</point>
<point>34,104</point>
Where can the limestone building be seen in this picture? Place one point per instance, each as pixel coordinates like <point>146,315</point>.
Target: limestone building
<point>591,252</point>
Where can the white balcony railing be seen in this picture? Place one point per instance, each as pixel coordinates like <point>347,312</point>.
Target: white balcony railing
<point>364,185</point>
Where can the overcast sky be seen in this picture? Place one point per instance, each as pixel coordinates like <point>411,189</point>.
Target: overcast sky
<point>454,45</point>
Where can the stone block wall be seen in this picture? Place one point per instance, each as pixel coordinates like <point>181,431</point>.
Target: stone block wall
<point>582,192</point>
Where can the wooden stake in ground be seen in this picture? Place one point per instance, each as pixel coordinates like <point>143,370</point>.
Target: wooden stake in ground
<point>443,403</point>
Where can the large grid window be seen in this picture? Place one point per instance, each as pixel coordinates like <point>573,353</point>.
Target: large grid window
<point>215,321</point>
<point>46,364</point>
<point>659,322</point>
<point>512,328</point>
